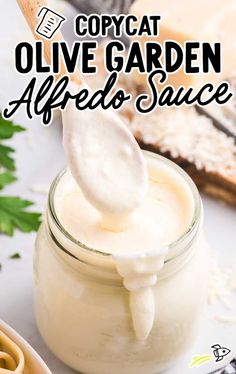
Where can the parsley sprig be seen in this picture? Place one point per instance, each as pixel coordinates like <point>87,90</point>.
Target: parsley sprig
<point>13,209</point>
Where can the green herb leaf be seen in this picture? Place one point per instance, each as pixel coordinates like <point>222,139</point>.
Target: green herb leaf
<point>7,128</point>
<point>15,256</point>
<point>13,215</point>
<point>6,160</point>
<point>5,179</point>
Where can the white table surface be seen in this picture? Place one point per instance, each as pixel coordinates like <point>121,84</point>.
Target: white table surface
<point>39,158</point>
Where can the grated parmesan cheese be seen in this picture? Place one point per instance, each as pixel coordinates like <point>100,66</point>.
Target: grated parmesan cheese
<point>221,287</point>
<point>40,188</point>
<point>186,134</point>
<point>182,132</point>
<point>230,320</point>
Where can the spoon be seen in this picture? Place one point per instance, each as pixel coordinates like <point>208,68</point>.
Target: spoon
<point>102,154</point>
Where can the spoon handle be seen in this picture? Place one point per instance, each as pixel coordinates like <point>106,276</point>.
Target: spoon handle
<point>30,10</point>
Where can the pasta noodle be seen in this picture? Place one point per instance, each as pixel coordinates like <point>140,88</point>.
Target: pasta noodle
<point>11,356</point>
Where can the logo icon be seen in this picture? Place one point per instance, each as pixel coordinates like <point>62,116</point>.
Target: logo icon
<point>49,23</point>
<point>220,352</point>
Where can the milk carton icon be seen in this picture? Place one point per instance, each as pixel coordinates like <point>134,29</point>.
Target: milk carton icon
<point>49,23</point>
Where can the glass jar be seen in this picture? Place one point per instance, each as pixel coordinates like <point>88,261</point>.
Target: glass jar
<point>82,307</point>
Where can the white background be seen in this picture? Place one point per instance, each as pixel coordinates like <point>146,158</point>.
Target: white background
<point>39,158</point>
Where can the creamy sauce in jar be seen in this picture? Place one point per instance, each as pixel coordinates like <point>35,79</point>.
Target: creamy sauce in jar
<point>140,249</point>
<point>127,302</point>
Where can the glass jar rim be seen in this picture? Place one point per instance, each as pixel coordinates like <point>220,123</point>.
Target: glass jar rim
<point>190,229</point>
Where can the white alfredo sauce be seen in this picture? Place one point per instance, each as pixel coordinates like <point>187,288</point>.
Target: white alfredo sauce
<point>109,207</point>
<point>105,160</point>
<point>126,301</point>
<point>139,250</point>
